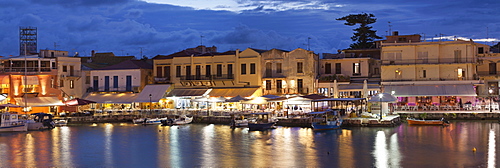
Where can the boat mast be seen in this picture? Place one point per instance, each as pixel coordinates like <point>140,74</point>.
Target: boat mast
<point>25,109</point>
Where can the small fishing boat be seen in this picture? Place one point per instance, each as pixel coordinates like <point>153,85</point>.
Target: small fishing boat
<point>412,121</point>
<point>262,123</point>
<point>11,123</point>
<point>40,121</point>
<point>329,122</point>
<point>61,122</point>
<point>242,122</point>
<point>178,121</point>
<point>149,121</point>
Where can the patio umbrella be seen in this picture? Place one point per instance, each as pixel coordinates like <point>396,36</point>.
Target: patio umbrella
<point>383,97</point>
<point>78,101</point>
<point>365,89</point>
<point>335,89</point>
<point>235,99</point>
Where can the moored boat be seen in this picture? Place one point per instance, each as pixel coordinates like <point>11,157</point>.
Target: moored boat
<point>242,122</point>
<point>149,121</point>
<point>61,122</point>
<point>412,121</point>
<point>40,121</point>
<point>178,121</point>
<point>11,123</point>
<point>263,123</point>
<point>329,121</point>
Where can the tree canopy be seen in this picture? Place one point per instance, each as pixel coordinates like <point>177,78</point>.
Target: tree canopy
<point>363,35</point>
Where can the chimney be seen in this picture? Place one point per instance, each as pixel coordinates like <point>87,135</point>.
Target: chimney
<point>93,53</point>
<point>395,33</point>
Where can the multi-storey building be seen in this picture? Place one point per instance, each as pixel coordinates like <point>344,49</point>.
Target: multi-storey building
<point>488,71</point>
<point>289,72</point>
<point>350,73</point>
<point>430,73</point>
<point>31,82</point>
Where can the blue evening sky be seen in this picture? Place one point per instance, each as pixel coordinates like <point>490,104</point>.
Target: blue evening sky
<point>126,27</point>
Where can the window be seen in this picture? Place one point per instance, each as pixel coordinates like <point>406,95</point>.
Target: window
<point>208,70</point>
<point>493,68</point>
<point>115,81</point>
<point>279,86</point>
<point>166,72</point>
<point>188,72</point>
<point>87,79</point>
<point>71,84</point>
<point>300,67</point>
<point>71,70</point>
<point>393,56</point>
<point>278,68</point>
<point>252,68</point>
<point>376,71</point>
<point>159,71</point>
<point>338,68</point>
<point>243,69</point>
<point>460,73</point>
<point>219,70</point>
<point>268,84</point>
<point>230,70</point>
<point>423,56</point>
<point>300,85</point>
<point>424,73</point>
<point>399,74</point>
<point>356,68</point>
<point>480,50</point>
<point>178,71</point>
<point>269,69</point>
<point>198,71</point>
<point>458,56</point>
<point>61,83</point>
<point>65,68</point>
<point>328,68</point>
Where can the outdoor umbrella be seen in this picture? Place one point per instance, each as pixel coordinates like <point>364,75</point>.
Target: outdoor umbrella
<point>382,97</point>
<point>78,101</point>
<point>235,99</point>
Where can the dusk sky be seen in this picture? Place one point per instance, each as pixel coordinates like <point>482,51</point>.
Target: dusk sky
<point>167,26</point>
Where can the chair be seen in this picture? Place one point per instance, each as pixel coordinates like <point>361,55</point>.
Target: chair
<point>414,108</point>
<point>424,108</point>
<point>457,107</point>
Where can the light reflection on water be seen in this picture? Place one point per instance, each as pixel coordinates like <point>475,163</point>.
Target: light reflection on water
<point>199,145</point>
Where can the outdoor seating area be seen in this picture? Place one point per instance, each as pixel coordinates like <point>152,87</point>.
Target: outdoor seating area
<point>464,107</point>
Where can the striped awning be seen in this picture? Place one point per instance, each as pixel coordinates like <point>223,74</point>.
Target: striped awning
<point>152,93</point>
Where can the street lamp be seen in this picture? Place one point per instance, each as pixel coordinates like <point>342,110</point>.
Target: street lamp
<point>380,101</point>
<point>490,91</point>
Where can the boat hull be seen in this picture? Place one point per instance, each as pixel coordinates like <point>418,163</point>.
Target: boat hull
<point>260,126</point>
<point>426,122</point>
<point>14,128</point>
<point>329,125</point>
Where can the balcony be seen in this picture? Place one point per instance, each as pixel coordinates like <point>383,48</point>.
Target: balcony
<point>162,80</point>
<point>29,70</point>
<point>207,78</point>
<point>428,61</point>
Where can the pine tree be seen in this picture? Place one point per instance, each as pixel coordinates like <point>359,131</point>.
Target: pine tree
<point>363,35</point>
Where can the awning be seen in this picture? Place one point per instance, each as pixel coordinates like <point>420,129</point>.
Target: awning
<point>357,87</point>
<point>38,101</point>
<point>186,92</point>
<point>232,92</point>
<point>112,97</point>
<point>431,90</point>
<point>156,91</point>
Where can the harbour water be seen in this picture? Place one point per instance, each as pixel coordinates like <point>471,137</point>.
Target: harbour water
<point>209,145</point>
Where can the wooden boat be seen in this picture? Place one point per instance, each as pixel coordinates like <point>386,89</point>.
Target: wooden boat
<point>148,121</point>
<point>40,121</point>
<point>412,121</point>
<point>242,122</point>
<point>11,123</point>
<point>329,122</point>
<point>61,122</point>
<point>262,123</point>
<point>178,121</point>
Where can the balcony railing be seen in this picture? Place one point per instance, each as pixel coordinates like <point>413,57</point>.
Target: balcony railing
<point>210,77</point>
<point>29,70</point>
<point>428,61</point>
<point>164,79</point>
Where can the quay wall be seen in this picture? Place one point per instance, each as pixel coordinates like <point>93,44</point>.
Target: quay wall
<point>451,116</point>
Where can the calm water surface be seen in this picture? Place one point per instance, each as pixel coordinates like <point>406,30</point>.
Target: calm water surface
<point>200,145</point>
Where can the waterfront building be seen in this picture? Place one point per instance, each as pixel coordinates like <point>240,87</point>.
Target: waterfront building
<point>488,70</point>
<point>350,74</point>
<point>288,72</point>
<point>31,81</point>
<point>117,86</point>
<point>421,74</point>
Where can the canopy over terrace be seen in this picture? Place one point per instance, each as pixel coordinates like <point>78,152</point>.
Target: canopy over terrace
<point>342,104</point>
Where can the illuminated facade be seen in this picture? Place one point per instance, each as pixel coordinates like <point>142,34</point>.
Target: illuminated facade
<point>35,87</point>
<point>431,73</point>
